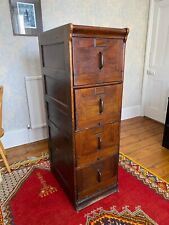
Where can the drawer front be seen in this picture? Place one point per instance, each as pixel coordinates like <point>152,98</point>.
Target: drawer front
<point>97,106</point>
<point>97,177</point>
<point>97,60</point>
<point>96,143</point>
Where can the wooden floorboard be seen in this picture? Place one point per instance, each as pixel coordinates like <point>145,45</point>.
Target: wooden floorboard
<point>141,140</point>
<point>27,151</point>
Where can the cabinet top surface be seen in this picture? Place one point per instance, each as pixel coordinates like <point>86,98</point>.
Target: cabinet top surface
<point>79,28</point>
<point>83,30</point>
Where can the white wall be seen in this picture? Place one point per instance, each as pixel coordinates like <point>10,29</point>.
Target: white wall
<point>112,13</point>
<point>19,56</point>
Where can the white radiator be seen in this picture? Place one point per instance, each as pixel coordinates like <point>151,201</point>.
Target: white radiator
<point>36,104</point>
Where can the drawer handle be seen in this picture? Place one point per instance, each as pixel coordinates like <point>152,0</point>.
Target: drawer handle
<point>101,105</point>
<point>99,175</point>
<point>99,142</point>
<point>101,60</point>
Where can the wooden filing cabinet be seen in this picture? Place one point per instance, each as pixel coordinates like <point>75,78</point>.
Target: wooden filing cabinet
<point>83,69</point>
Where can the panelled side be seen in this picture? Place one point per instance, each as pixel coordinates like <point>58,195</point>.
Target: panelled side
<point>55,58</point>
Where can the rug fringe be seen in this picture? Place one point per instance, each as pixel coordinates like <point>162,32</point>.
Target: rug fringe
<point>135,161</point>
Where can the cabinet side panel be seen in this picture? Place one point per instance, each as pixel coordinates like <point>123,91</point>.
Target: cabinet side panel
<point>54,47</point>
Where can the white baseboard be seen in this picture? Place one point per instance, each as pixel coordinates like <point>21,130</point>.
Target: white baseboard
<point>23,136</point>
<point>131,112</point>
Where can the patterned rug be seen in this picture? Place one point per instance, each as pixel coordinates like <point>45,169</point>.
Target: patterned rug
<point>153,181</point>
<point>31,193</point>
<point>113,217</point>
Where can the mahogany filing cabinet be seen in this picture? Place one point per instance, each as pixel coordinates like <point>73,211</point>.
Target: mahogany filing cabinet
<point>83,69</point>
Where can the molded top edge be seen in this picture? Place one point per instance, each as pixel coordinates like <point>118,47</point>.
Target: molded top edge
<point>95,30</point>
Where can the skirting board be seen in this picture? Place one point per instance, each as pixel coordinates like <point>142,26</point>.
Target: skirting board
<point>131,112</point>
<point>25,136</point>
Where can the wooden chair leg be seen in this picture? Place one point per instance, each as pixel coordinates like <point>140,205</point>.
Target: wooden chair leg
<point>4,157</point>
<point>0,177</point>
<point>4,151</point>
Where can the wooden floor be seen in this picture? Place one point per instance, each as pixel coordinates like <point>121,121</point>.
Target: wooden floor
<point>141,140</point>
<point>28,151</point>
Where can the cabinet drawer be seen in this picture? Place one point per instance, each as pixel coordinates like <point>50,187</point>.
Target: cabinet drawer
<point>97,177</point>
<point>96,143</point>
<point>97,60</point>
<point>97,106</point>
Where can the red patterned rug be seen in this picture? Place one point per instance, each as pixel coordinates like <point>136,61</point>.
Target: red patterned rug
<point>31,195</point>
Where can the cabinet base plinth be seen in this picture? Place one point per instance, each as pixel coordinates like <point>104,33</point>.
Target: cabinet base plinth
<point>92,199</point>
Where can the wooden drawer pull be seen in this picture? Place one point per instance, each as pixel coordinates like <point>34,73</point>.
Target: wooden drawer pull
<point>99,141</point>
<point>101,60</point>
<point>101,105</point>
<point>99,175</point>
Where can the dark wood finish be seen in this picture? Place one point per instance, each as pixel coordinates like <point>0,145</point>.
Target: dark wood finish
<point>98,105</point>
<point>165,142</point>
<point>97,176</point>
<point>55,59</point>
<point>96,143</point>
<point>97,60</point>
<point>101,32</point>
<point>83,77</point>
